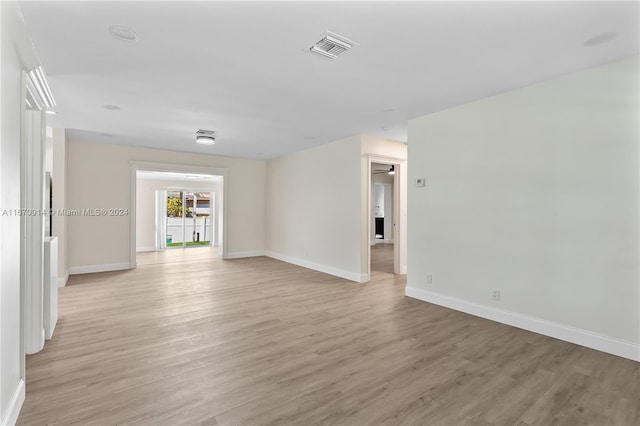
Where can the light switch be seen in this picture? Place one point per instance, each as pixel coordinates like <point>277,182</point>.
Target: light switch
<point>420,182</point>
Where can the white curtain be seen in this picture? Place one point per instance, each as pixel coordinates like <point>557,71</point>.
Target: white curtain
<point>161,219</point>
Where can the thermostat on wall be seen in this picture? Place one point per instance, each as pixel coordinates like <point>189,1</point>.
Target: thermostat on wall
<point>420,182</point>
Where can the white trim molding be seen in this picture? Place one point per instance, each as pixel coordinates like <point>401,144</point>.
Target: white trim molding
<point>347,275</point>
<point>243,254</point>
<point>90,269</point>
<point>62,281</point>
<point>10,416</point>
<point>381,241</point>
<point>145,249</point>
<point>537,325</point>
<point>32,227</point>
<point>39,96</point>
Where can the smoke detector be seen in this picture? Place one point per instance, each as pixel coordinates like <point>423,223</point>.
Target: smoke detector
<point>205,137</point>
<point>332,45</point>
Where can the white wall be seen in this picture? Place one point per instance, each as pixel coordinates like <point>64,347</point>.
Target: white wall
<point>59,179</point>
<point>17,54</point>
<point>48,149</point>
<point>318,205</point>
<point>10,356</point>
<point>146,214</point>
<point>146,206</point>
<point>534,192</point>
<point>98,176</point>
<point>313,208</point>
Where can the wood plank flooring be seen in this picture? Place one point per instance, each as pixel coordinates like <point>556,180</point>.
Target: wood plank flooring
<point>382,258</point>
<point>257,341</point>
<point>173,255</point>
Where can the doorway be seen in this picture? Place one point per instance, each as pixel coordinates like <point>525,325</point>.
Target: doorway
<point>188,220</point>
<point>176,208</point>
<point>388,252</point>
<point>382,221</point>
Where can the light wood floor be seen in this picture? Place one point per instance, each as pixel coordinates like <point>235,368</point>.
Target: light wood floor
<point>258,341</point>
<point>173,255</point>
<point>382,258</point>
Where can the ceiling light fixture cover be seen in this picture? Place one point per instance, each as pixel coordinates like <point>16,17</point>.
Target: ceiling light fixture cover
<point>39,94</point>
<point>332,45</point>
<point>123,33</point>
<point>205,137</point>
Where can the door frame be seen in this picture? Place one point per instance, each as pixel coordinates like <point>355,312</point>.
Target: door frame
<point>136,166</point>
<point>399,211</point>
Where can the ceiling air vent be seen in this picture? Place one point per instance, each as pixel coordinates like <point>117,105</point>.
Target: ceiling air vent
<point>332,45</point>
<point>205,137</point>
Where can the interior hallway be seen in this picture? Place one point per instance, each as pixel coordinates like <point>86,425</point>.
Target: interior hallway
<point>382,258</point>
<point>258,341</point>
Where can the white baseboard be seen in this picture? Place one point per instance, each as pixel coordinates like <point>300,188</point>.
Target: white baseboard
<point>76,270</point>
<point>537,325</point>
<point>348,275</point>
<point>62,281</point>
<point>10,415</point>
<point>241,254</point>
<point>145,248</point>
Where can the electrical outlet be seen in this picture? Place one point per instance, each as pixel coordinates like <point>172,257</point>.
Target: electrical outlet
<point>429,279</point>
<point>495,294</point>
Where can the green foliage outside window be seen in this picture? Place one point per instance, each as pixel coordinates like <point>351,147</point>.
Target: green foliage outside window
<point>174,207</point>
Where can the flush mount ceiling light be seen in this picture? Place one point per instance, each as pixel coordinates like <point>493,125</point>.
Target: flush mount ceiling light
<point>206,137</point>
<point>39,94</point>
<point>332,45</point>
<point>123,33</point>
<point>601,38</point>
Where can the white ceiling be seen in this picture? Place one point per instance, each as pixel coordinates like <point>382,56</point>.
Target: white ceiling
<point>243,68</point>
